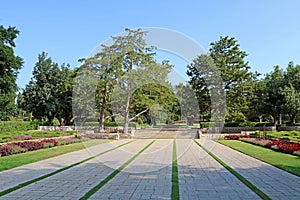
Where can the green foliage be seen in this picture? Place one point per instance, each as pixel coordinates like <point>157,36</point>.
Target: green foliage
<point>10,126</point>
<point>234,71</point>
<point>198,71</point>
<point>10,64</point>
<point>49,92</point>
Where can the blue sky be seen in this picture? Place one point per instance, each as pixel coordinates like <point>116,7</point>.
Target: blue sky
<point>269,31</point>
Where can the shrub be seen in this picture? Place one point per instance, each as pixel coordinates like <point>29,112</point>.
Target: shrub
<point>231,124</point>
<point>236,136</point>
<point>283,146</point>
<point>261,124</point>
<point>9,126</point>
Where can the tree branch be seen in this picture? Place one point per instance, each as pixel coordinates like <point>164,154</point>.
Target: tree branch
<point>138,114</point>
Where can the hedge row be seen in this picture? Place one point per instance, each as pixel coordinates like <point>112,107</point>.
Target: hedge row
<point>8,126</point>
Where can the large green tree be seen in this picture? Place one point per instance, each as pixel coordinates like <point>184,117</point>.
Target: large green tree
<point>10,64</point>
<point>136,57</point>
<point>291,91</point>
<point>48,94</point>
<point>199,72</point>
<point>273,102</point>
<point>234,70</point>
<point>106,68</point>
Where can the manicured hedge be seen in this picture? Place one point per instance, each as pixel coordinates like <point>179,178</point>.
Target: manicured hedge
<point>8,126</point>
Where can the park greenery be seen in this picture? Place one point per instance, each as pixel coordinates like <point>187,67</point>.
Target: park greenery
<point>130,85</point>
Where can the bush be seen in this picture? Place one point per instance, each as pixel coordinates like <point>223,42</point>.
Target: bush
<point>9,126</point>
<point>231,124</point>
<point>236,136</point>
<point>261,124</point>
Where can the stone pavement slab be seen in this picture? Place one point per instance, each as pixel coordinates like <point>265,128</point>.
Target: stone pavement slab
<point>76,181</point>
<point>149,176</point>
<point>202,177</point>
<point>15,176</point>
<point>276,183</point>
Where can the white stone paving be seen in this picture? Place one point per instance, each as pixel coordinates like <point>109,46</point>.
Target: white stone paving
<point>202,177</point>
<point>76,181</point>
<point>276,183</point>
<point>15,176</point>
<point>149,176</point>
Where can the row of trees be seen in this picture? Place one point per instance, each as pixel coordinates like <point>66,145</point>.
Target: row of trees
<point>123,82</point>
<point>248,97</point>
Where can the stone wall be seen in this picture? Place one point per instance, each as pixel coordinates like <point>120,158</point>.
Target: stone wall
<point>289,128</point>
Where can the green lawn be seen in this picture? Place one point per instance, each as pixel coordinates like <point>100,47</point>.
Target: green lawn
<point>289,135</point>
<point>283,161</point>
<point>8,162</point>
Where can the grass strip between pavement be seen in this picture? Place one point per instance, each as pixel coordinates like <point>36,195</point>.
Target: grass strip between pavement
<point>287,162</point>
<point>114,173</point>
<point>236,174</point>
<point>175,185</point>
<point>21,185</point>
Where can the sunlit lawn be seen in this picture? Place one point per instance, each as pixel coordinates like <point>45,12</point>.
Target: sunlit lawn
<point>287,162</point>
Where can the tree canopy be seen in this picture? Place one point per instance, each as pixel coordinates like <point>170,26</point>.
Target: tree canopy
<point>10,64</point>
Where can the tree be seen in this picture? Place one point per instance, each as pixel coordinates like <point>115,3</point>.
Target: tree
<point>235,74</point>
<point>273,95</point>
<point>257,101</point>
<point>291,100</point>
<point>154,102</point>
<point>48,94</point>
<point>136,56</point>
<point>291,91</point>
<point>107,68</point>
<point>10,64</point>
<point>188,103</point>
<point>199,71</point>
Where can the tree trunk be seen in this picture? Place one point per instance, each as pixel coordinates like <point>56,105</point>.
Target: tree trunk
<point>126,121</point>
<point>280,119</point>
<point>274,119</point>
<point>67,119</point>
<point>293,119</point>
<point>102,110</point>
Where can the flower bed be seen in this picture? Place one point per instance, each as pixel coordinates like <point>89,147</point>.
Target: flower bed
<point>24,146</point>
<point>277,145</point>
<point>236,136</point>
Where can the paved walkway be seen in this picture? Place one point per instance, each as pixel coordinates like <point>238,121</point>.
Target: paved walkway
<point>15,176</point>
<point>202,177</point>
<point>149,175</point>
<point>274,182</point>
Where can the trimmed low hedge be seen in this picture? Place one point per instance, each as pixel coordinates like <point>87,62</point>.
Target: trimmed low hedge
<point>9,126</point>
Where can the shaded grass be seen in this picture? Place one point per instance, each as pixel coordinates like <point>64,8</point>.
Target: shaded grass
<point>175,184</point>
<point>113,174</point>
<point>236,174</point>
<point>9,190</point>
<point>287,162</point>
